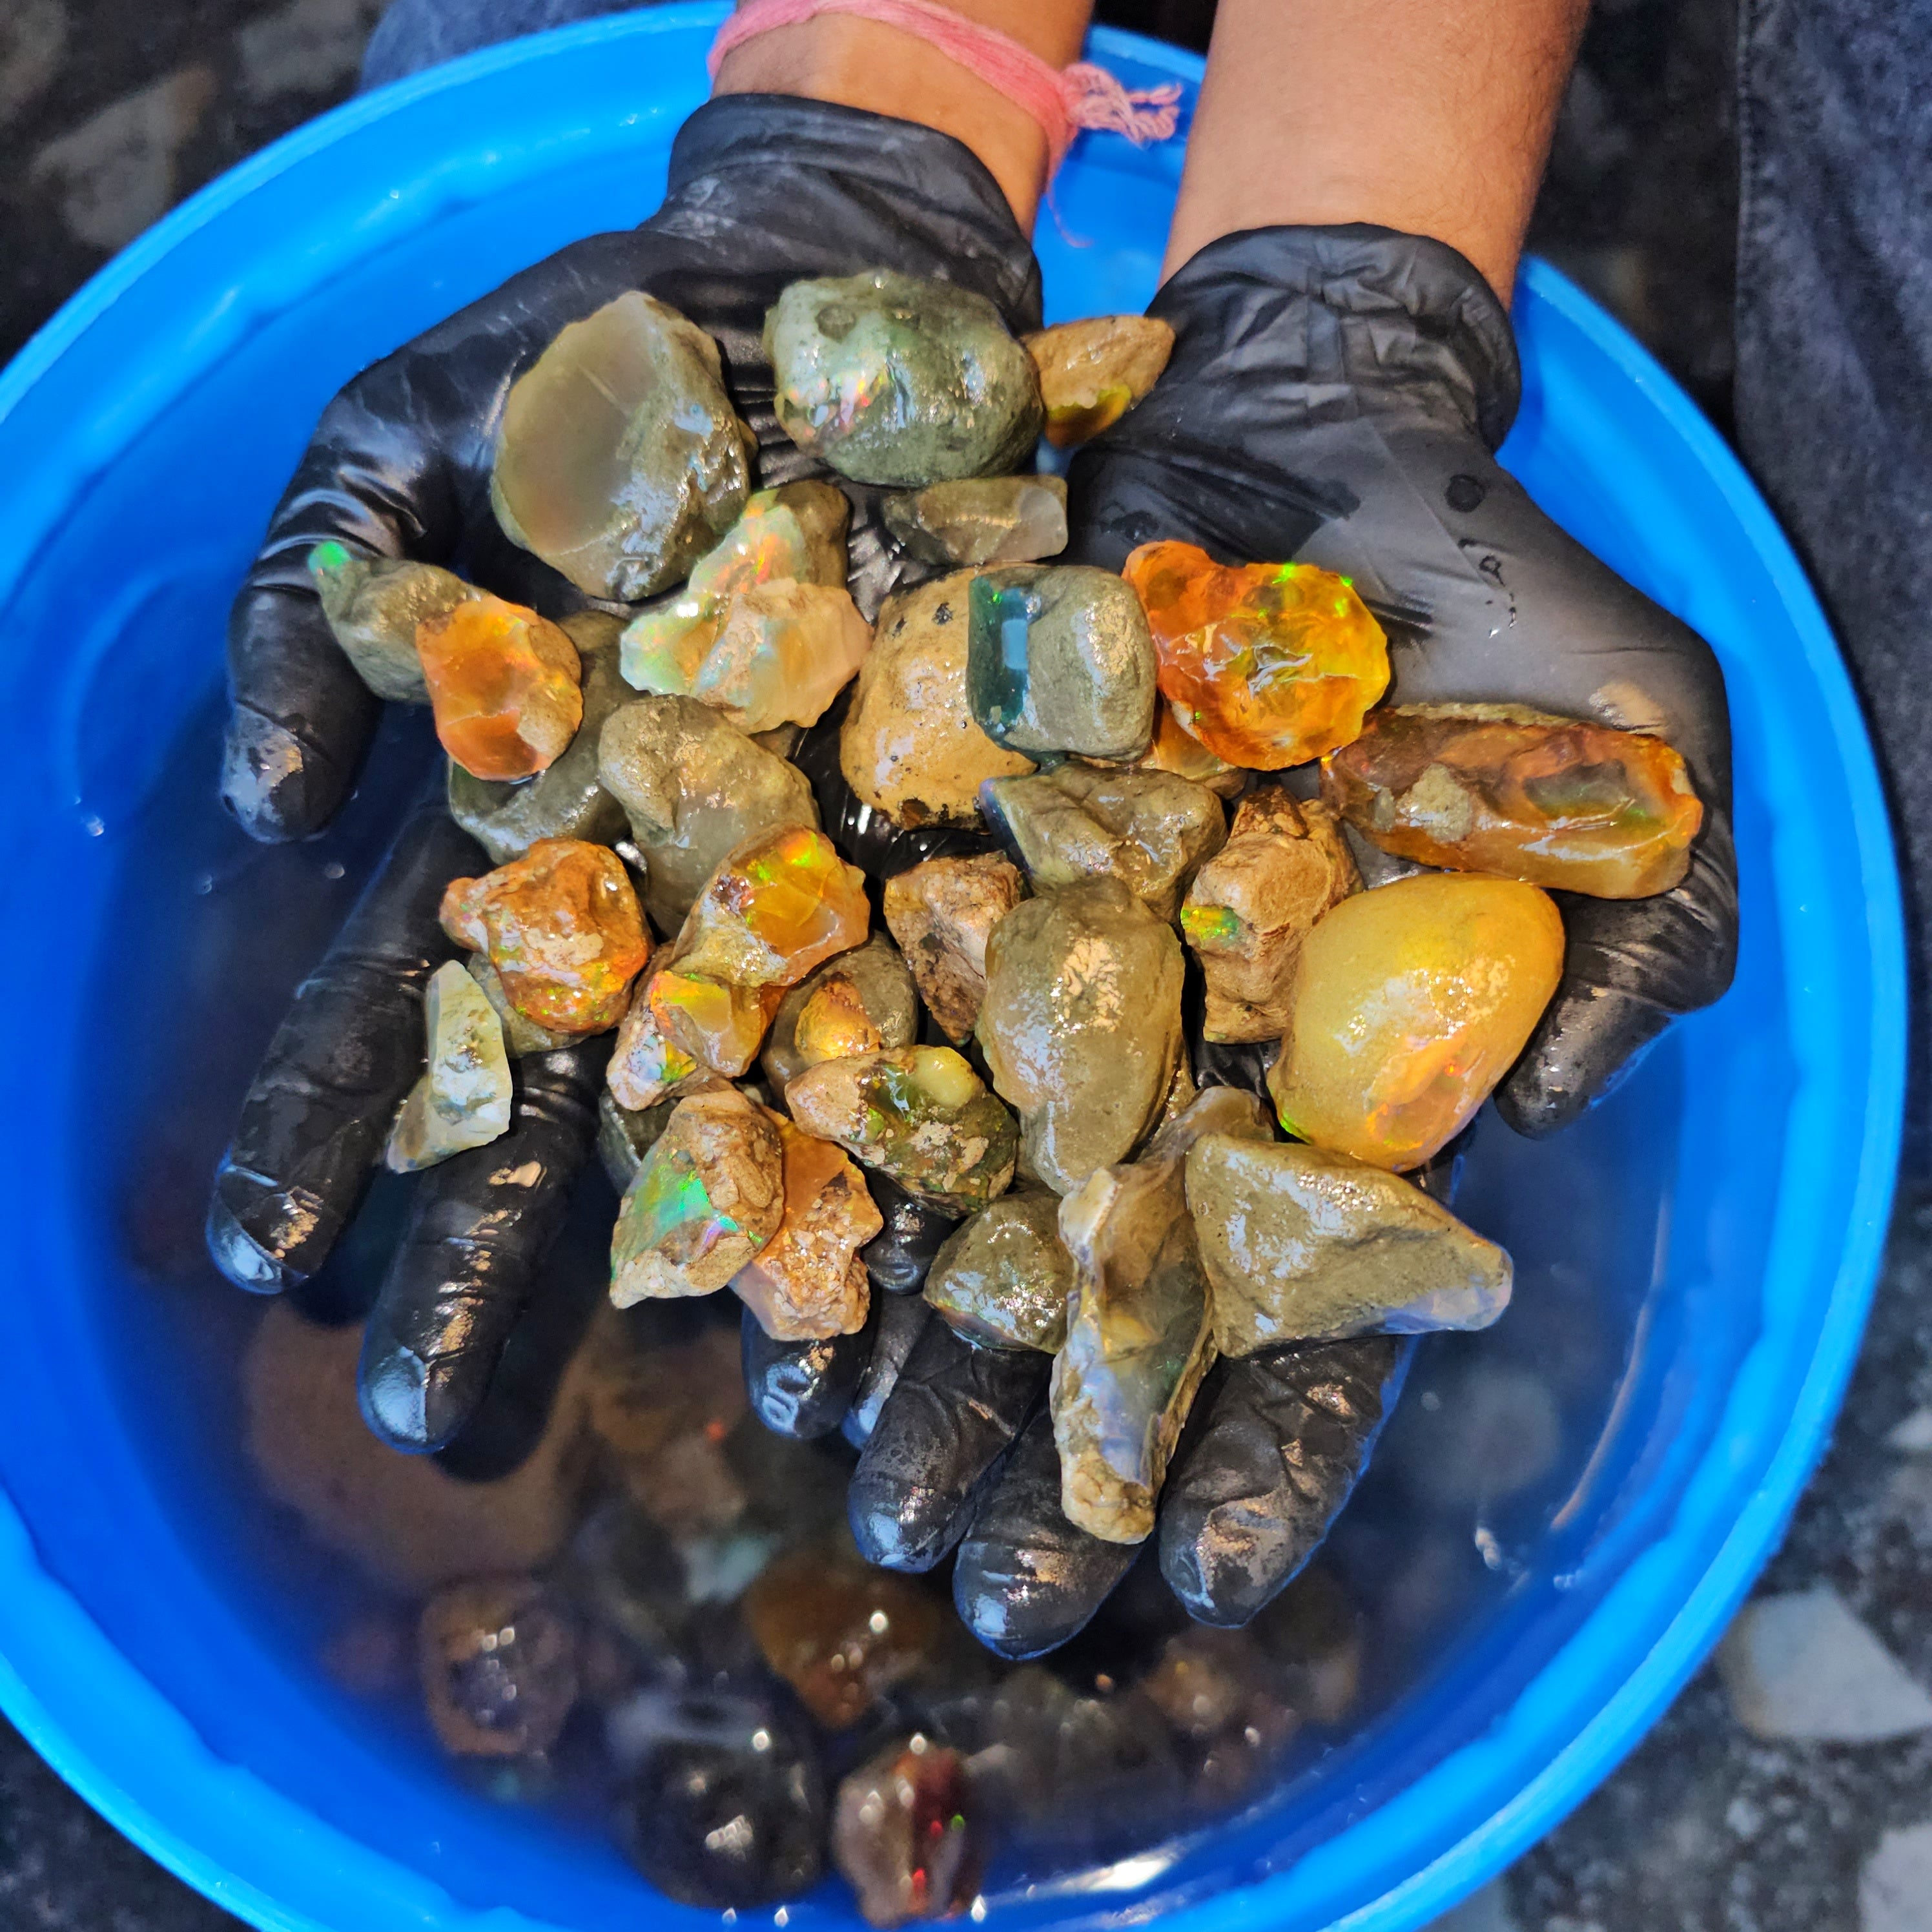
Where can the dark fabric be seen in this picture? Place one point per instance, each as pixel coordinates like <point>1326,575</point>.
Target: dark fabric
<point>417,33</point>
<point>1835,368</point>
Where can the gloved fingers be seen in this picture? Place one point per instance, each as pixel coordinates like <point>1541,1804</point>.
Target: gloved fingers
<point>1252,1495</point>
<point>902,1319</point>
<point>953,1412</point>
<point>482,1224</point>
<point>803,1389</point>
<point>321,1105</point>
<point>1026,1578</point>
<point>1630,967</point>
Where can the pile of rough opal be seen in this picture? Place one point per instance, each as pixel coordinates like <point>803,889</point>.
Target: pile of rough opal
<point>992,1053</point>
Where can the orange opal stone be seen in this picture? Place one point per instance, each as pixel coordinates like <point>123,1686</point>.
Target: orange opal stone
<point>1575,807</point>
<point>505,685</point>
<point>1268,664</point>
<point>680,1025</point>
<point>1410,1003</point>
<point>779,904</point>
<point>562,927</point>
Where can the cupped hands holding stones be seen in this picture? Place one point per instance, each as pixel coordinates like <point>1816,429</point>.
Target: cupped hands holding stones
<point>962,982</point>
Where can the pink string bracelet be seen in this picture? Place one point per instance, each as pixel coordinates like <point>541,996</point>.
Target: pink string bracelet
<point>1064,101</point>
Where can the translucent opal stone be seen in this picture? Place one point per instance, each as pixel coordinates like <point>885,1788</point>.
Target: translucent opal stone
<point>1003,1277</point>
<point>1302,1245</point>
<point>463,1100</point>
<point>693,787</point>
<point>709,1195</point>
<point>505,685</point>
<point>565,801</point>
<point>903,1836</point>
<point>1080,1025</point>
<point>777,905</point>
<point>807,1282</point>
<point>893,379</point>
<point>841,1634</point>
<point>562,927</point>
<point>942,912</point>
<point>981,520</point>
<point>1149,829</point>
<point>866,994</point>
<point>909,747</point>
<point>795,532</point>
<point>1250,907</point>
<point>1268,664</point>
<point>772,654</point>
<point>1139,1333</point>
<point>1410,1004</point>
<point>620,460</point>
<point>1092,372</point>
<point>373,605</point>
<point>1575,807</point>
<point>919,1114</point>
<point>1059,659</point>
<point>680,1025</point>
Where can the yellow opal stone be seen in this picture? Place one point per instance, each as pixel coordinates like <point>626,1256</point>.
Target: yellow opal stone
<point>834,1024</point>
<point>506,685</point>
<point>1411,1003</point>
<point>1268,664</point>
<point>681,1025</point>
<point>779,904</point>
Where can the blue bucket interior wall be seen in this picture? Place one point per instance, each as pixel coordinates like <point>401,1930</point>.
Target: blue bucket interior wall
<point>1694,1261</point>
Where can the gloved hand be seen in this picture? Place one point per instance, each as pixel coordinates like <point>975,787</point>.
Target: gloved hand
<point>764,189</point>
<point>1336,396</point>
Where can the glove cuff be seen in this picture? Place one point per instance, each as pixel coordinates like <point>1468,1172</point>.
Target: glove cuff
<point>1355,311</point>
<point>842,167</point>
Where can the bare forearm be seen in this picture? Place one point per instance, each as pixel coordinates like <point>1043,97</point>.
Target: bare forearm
<point>862,63</point>
<point>1429,116</point>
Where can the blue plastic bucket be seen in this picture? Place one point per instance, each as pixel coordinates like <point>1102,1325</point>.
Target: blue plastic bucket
<point>1694,1260</point>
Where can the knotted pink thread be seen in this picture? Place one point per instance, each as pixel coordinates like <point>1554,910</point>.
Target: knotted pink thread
<point>1064,101</point>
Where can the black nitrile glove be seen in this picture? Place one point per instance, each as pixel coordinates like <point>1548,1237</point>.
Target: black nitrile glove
<point>1336,396</point>
<point>764,189</point>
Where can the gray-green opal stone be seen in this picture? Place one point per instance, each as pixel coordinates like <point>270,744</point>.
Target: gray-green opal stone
<point>896,380</point>
<point>373,605</point>
<point>982,520</point>
<point>1003,1277</point>
<point>1059,659</point>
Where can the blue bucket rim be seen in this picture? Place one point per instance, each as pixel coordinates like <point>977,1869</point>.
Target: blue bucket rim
<point>39,1619</point>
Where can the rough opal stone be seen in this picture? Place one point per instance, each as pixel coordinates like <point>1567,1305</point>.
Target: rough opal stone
<point>373,605</point>
<point>1092,372</point>
<point>1003,1277</point>
<point>694,788</point>
<point>903,1834</point>
<point>562,927</point>
<point>1268,664</point>
<point>777,906</point>
<point>1412,1002</point>
<point>866,994</point>
<point>521,1035</point>
<point>681,1028</point>
<point>620,460</point>
<point>498,1657</point>
<point>943,911</point>
<point>1574,807</point>
<point>1059,659</point>
<point>1304,1246</point>
<point>566,801</point>
<point>708,1196</point>
<point>771,654</point>
<point>896,380</point>
<point>1251,906</point>
<point>1080,1025</point>
<point>920,1115</point>
<point>1139,1332</point>
<point>463,1100</point>
<point>807,1281</point>
<point>1174,750</point>
<point>1149,829</point>
<point>982,520</point>
<point>843,1635</point>
<point>909,747</point>
<point>505,685</point>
